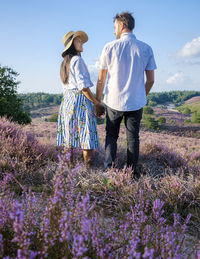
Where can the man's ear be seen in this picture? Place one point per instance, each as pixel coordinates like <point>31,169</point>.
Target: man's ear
<point>122,26</point>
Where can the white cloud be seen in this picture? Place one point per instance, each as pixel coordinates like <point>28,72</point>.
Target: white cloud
<point>94,67</point>
<point>94,71</point>
<point>190,49</point>
<point>191,62</point>
<point>176,78</point>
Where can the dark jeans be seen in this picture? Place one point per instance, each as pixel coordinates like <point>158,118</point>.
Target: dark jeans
<point>132,122</point>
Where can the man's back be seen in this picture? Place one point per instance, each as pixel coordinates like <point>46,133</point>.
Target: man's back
<point>123,63</point>
<point>126,59</point>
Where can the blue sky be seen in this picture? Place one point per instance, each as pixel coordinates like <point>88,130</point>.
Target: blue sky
<point>32,31</point>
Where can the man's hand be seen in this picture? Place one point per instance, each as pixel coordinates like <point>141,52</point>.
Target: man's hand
<point>99,109</point>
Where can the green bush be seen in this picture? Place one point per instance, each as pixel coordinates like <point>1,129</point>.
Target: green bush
<point>53,118</point>
<point>196,117</point>
<point>152,103</point>
<point>161,120</point>
<point>171,121</point>
<point>147,110</point>
<point>150,122</point>
<point>186,111</point>
<point>187,121</point>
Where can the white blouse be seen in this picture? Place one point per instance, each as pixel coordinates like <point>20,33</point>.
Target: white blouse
<point>79,76</point>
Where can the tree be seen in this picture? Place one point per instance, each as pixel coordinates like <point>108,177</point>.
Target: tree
<point>147,110</point>
<point>53,118</point>
<point>152,103</point>
<point>186,110</point>
<point>196,117</point>
<point>11,105</point>
<point>161,120</point>
<point>150,122</point>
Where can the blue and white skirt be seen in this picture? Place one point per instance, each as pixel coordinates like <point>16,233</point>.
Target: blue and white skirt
<point>77,125</point>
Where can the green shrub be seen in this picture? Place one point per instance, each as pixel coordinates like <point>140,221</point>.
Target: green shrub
<point>187,121</point>
<point>147,110</point>
<point>53,118</point>
<point>186,111</point>
<point>161,120</point>
<point>152,103</point>
<point>196,117</point>
<point>150,122</point>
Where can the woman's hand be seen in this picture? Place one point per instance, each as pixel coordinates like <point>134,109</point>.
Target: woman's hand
<point>99,107</point>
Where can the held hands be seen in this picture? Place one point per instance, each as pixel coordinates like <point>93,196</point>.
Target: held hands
<point>99,109</point>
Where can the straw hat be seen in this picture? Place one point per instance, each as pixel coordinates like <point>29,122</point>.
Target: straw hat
<point>68,39</point>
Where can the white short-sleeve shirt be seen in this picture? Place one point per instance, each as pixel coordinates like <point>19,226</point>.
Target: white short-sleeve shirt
<point>126,59</point>
<point>79,76</point>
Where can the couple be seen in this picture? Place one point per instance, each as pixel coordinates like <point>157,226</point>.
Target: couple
<point>123,62</point>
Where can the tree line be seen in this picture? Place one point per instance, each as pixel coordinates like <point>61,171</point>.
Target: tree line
<point>175,97</point>
<point>39,100</point>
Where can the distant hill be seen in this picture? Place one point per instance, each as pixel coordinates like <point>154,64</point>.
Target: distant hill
<point>34,101</point>
<point>191,106</point>
<point>44,113</point>
<point>195,99</point>
<point>176,97</point>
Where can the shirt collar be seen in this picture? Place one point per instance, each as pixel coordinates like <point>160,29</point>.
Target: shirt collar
<point>128,34</point>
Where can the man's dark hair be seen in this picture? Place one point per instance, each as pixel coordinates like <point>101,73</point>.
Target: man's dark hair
<point>127,19</point>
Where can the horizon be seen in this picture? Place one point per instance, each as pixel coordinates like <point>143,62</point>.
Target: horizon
<point>31,39</point>
<point>151,92</point>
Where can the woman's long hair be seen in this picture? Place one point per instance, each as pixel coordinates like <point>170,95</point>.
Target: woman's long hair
<point>65,65</point>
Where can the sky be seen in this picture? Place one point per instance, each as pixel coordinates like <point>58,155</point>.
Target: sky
<point>32,30</point>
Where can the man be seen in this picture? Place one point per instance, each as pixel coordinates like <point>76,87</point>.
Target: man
<point>125,61</point>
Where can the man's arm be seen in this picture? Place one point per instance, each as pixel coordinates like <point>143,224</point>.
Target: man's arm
<point>149,80</point>
<point>101,83</point>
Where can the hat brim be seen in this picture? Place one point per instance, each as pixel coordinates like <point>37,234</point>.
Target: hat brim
<point>81,34</point>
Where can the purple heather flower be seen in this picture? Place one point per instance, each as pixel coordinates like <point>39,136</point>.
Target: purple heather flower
<point>1,244</point>
<point>78,247</point>
<point>148,253</point>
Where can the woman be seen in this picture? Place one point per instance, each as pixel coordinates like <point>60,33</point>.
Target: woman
<point>77,127</point>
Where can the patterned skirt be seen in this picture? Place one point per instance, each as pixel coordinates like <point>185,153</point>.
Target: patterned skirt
<point>77,126</point>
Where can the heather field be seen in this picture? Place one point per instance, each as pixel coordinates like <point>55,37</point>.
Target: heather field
<point>50,208</point>
<point>175,123</point>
